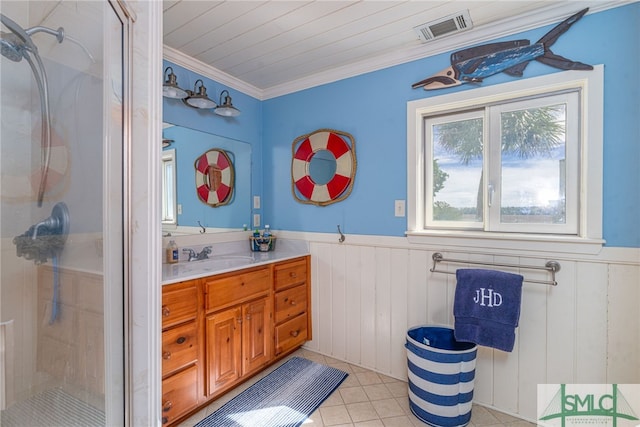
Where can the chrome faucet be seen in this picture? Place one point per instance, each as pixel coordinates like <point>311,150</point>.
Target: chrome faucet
<point>192,254</point>
<point>204,254</point>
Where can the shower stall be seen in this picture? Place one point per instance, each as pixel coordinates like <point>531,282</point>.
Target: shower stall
<point>62,156</point>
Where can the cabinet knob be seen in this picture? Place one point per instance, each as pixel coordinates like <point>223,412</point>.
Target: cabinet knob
<point>294,333</point>
<point>293,302</point>
<point>165,420</point>
<point>293,275</point>
<point>165,311</point>
<point>166,355</point>
<point>166,406</point>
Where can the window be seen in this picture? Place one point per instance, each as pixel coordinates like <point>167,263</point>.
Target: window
<point>169,187</point>
<point>521,160</point>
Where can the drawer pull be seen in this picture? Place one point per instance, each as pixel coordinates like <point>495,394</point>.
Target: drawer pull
<point>166,406</point>
<point>295,333</point>
<point>165,420</point>
<point>181,340</point>
<point>293,302</point>
<point>165,311</point>
<point>166,355</point>
<point>293,275</point>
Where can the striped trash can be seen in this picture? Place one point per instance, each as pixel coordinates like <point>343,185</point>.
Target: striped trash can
<point>441,373</point>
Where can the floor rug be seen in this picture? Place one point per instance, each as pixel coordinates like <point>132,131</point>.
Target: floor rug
<point>52,408</point>
<point>284,398</point>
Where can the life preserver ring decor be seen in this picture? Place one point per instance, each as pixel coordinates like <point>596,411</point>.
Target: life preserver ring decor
<point>214,178</point>
<point>338,184</point>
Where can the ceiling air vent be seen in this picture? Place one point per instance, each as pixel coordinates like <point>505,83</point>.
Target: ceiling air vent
<point>451,24</point>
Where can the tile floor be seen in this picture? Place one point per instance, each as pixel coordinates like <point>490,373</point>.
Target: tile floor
<point>364,399</point>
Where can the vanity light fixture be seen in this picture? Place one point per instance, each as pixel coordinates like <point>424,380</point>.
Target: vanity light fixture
<point>226,108</point>
<point>198,98</point>
<point>170,88</point>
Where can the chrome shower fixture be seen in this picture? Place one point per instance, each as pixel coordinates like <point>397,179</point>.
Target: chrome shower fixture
<point>15,46</point>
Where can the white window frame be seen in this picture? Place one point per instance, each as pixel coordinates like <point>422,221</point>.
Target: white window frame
<point>169,209</point>
<point>589,238</point>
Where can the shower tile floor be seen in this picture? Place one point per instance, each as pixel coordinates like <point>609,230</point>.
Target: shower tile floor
<point>364,399</point>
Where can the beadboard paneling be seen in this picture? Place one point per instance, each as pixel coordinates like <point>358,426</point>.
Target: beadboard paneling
<point>585,330</point>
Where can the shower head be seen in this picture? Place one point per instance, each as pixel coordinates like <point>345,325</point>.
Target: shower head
<point>12,46</point>
<point>16,44</point>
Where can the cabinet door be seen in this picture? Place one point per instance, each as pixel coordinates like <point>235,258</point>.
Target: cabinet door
<point>224,346</point>
<point>256,335</point>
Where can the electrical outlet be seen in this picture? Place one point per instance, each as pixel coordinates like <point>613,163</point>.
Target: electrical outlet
<point>256,202</point>
<point>256,220</point>
<point>179,209</point>
<point>400,208</point>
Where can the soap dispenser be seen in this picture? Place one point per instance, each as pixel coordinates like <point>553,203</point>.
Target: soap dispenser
<point>172,252</point>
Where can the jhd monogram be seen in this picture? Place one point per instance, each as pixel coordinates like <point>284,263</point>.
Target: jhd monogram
<point>487,298</point>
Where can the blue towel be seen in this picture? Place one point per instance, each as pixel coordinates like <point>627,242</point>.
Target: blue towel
<point>486,307</point>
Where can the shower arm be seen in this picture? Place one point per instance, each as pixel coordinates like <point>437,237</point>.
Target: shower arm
<point>59,33</point>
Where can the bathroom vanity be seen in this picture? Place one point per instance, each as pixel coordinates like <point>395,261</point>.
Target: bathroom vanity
<point>231,317</point>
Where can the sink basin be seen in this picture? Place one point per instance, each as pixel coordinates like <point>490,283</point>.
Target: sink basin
<point>222,262</point>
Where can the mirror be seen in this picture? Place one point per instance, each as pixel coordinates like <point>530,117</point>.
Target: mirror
<point>323,167</point>
<point>191,211</point>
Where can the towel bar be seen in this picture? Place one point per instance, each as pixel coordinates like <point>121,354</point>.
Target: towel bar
<point>551,266</point>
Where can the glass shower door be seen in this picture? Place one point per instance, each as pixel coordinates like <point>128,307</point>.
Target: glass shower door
<point>61,213</point>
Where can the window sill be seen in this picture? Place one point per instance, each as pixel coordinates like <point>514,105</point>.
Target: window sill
<point>512,242</point>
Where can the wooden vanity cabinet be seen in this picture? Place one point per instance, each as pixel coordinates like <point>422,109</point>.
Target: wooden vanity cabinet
<point>237,326</point>
<point>292,309</point>
<point>220,330</point>
<point>181,360</point>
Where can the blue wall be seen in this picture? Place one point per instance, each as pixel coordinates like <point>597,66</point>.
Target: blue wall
<point>372,107</point>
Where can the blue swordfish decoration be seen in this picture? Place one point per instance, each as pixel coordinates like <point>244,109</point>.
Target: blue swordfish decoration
<point>474,64</point>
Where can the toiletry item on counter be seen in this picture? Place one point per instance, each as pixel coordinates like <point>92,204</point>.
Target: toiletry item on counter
<point>172,252</point>
<point>256,233</point>
<point>267,232</point>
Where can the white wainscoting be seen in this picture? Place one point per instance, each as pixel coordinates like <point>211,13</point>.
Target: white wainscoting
<point>367,291</point>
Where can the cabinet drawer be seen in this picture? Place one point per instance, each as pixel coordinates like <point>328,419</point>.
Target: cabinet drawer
<point>291,334</point>
<point>290,274</point>
<point>231,290</point>
<point>290,303</point>
<point>179,394</point>
<point>179,347</point>
<point>179,305</point>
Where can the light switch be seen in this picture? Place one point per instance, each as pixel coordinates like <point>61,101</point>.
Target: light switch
<point>256,220</point>
<point>256,202</point>
<point>400,208</point>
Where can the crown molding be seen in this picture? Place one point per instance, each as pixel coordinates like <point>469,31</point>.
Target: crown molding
<point>544,16</point>
<point>205,70</point>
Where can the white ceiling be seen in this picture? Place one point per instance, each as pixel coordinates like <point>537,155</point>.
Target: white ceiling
<point>268,48</point>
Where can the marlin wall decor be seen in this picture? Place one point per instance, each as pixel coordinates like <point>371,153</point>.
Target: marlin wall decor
<point>474,64</point>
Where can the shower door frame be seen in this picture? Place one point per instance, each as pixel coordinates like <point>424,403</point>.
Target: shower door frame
<point>143,232</point>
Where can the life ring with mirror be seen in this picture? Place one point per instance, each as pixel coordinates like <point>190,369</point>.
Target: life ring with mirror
<point>214,177</point>
<point>331,148</point>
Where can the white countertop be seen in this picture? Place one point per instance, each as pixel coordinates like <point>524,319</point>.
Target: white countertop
<point>230,257</point>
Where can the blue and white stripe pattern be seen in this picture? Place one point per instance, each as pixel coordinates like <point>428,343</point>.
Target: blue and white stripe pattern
<point>284,398</point>
<point>441,373</point>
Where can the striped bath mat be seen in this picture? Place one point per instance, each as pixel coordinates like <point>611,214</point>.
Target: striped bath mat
<point>284,398</point>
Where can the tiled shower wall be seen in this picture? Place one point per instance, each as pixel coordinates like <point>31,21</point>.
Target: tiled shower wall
<point>585,330</point>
